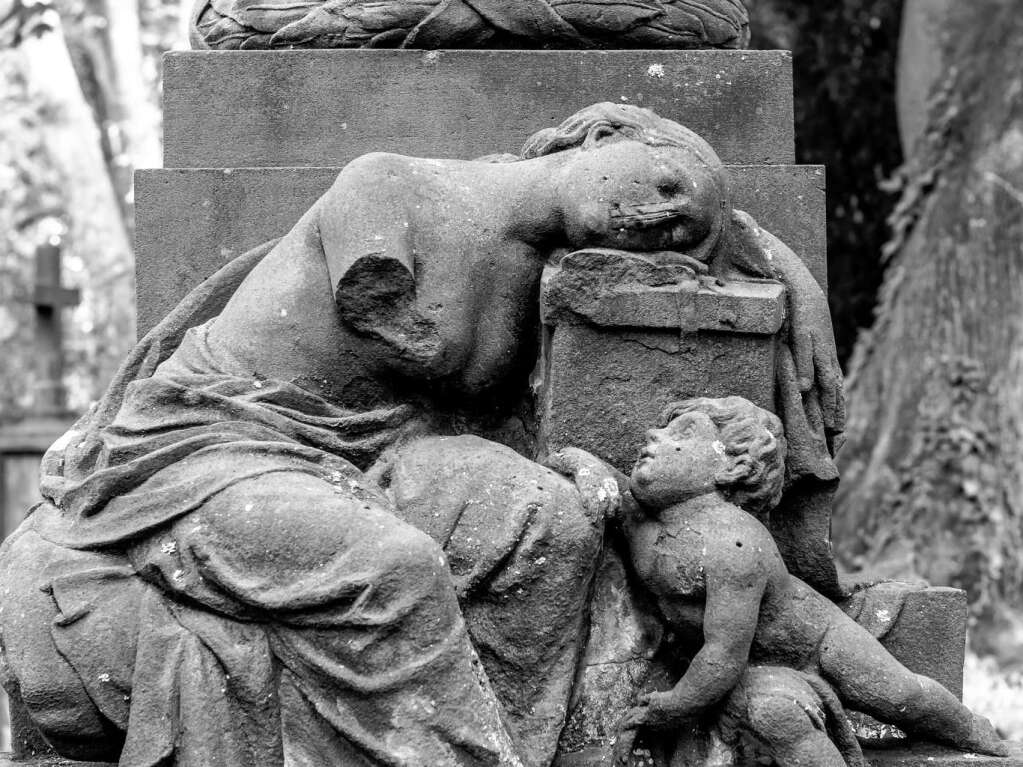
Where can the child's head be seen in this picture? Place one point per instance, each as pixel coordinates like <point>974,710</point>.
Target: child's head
<point>728,444</point>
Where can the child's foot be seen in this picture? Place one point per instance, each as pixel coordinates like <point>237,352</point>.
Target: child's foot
<point>985,739</point>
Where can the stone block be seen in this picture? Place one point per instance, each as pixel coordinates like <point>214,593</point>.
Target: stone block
<point>191,222</point>
<point>604,387</point>
<point>924,627</point>
<point>742,307</point>
<point>930,635</point>
<point>323,107</point>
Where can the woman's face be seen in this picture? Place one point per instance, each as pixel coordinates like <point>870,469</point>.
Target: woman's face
<point>680,461</point>
<point>630,196</point>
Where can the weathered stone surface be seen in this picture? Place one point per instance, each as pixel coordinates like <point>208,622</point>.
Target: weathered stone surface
<point>687,306</point>
<point>624,638</point>
<point>192,222</point>
<point>612,365</point>
<point>314,108</point>
<point>935,756</point>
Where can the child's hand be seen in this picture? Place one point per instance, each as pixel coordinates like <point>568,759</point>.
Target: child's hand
<point>656,711</point>
<point>600,485</point>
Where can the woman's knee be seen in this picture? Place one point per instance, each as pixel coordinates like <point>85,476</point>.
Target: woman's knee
<point>412,556</point>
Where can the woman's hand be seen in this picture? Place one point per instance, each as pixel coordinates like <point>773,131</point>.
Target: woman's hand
<point>601,486</point>
<point>811,337</point>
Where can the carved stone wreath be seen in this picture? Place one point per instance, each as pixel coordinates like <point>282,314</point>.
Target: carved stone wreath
<point>261,24</point>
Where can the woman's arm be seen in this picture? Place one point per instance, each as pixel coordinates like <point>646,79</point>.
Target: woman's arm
<point>367,233</point>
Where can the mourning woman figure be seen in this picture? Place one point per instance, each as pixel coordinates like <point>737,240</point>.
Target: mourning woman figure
<point>282,537</point>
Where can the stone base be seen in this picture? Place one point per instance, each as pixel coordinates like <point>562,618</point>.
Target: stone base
<point>935,756</point>
<point>916,756</point>
<point>913,756</point>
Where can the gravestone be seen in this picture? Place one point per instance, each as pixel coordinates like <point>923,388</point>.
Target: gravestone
<point>253,138</point>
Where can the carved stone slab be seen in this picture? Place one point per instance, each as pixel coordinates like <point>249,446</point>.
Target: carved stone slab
<point>323,107</point>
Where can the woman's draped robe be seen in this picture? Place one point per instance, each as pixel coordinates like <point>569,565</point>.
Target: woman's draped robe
<point>213,577</point>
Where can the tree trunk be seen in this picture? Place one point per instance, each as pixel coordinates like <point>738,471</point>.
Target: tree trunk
<point>933,466</point>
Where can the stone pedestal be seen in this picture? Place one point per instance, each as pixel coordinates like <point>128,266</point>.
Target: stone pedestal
<point>621,344</point>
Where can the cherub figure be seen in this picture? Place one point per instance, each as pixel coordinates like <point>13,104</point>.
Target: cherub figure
<point>704,483</point>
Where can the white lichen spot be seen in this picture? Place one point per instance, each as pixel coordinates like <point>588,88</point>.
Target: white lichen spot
<point>719,447</point>
<point>540,561</point>
<point>169,547</point>
<point>258,384</point>
<point>610,487</point>
<point>655,70</point>
<point>179,575</point>
<point>884,615</point>
<point>248,507</point>
<point>344,126</point>
<point>284,312</point>
<point>104,677</point>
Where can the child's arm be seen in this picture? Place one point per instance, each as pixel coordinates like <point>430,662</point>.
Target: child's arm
<point>736,577</point>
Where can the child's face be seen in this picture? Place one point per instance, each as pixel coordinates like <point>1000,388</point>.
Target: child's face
<point>679,462</point>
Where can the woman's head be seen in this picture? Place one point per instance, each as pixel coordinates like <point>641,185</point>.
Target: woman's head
<point>632,180</point>
<point>727,444</point>
<point>608,121</point>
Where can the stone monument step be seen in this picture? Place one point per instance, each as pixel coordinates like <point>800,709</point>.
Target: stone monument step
<point>936,756</point>
<point>192,221</point>
<point>901,756</point>
<point>322,107</point>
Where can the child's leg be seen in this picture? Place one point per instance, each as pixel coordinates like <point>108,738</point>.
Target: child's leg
<point>785,715</point>
<point>868,679</point>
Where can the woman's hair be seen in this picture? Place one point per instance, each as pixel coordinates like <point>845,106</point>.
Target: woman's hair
<point>745,430</point>
<point>610,120</point>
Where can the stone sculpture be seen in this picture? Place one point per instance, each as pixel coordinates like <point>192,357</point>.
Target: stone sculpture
<point>293,530</point>
<point>773,657</point>
<point>245,24</point>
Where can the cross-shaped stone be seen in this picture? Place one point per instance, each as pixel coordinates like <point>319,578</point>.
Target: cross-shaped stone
<point>49,297</point>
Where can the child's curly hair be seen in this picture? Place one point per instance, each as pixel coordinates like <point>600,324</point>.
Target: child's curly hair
<point>748,431</point>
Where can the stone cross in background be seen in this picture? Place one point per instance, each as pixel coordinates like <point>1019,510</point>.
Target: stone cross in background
<point>50,297</point>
